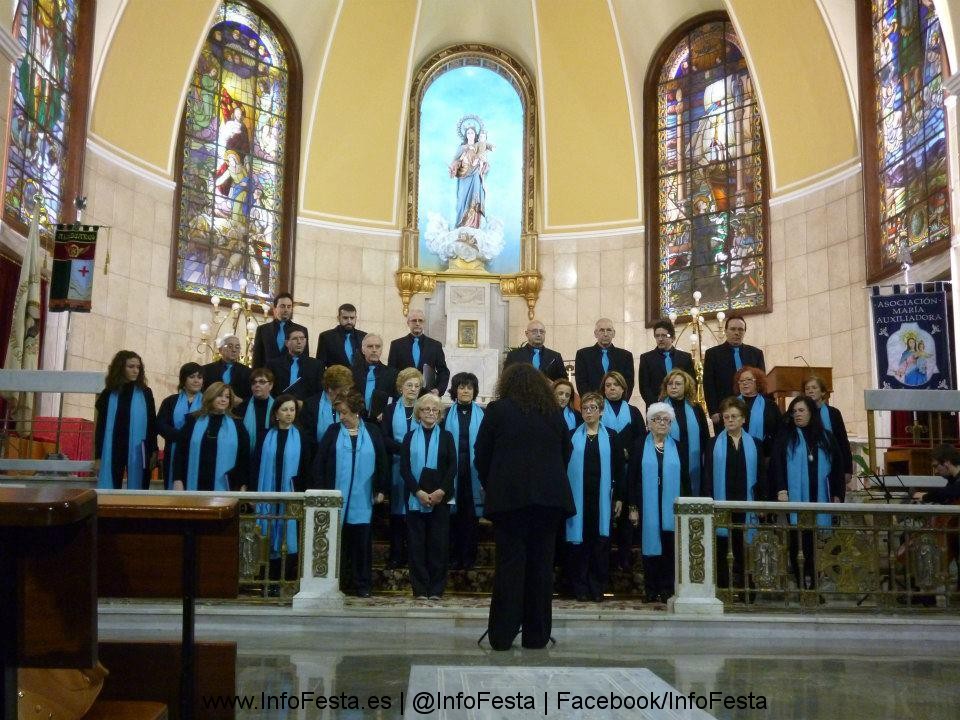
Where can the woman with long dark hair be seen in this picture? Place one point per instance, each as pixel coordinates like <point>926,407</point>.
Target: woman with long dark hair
<point>214,447</point>
<point>125,438</point>
<point>679,390</point>
<point>173,415</point>
<point>805,466</point>
<point>563,392</point>
<point>521,454</point>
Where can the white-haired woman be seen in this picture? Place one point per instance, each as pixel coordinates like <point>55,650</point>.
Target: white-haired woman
<point>658,476</point>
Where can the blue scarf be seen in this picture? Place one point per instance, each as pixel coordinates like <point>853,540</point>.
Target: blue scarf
<point>355,472</point>
<point>325,415</point>
<point>569,418</point>
<point>180,411</point>
<point>755,426</point>
<point>399,428</point>
<point>825,417</point>
<point>693,444</point>
<point>277,529</point>
<point>575,476</point>
<point>720,475</point>
<point>616,421</point>
<point>421,457</point>
<point>227,443</point>
<point>452,424</point>
<point>250,419</point>
<point>655,515</point>
<point>136,434</point>
<point>798,478</point>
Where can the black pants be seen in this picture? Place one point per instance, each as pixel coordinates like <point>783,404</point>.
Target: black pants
<point>724,544</point>
<point>588,566</point>
<point>463,537</point>
<point>659,570</point>
<point>626,532</point>
<point>356,556</point>
<point>807,570</point>
<point>523,577</point>
<point>398,540</point>
<point>428,535</point>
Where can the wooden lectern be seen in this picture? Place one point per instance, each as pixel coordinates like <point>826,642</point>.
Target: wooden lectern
<point>786,381</point>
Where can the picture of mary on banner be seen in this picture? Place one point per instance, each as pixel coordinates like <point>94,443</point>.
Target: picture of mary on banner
<point>912,355</point>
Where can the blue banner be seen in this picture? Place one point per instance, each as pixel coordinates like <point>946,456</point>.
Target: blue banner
<point>911,327</point>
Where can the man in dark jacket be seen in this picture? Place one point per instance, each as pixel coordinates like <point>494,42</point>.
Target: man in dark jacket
<point>271,338</point>
<point>594,362</point>
<point>418,351</point>
<point>376,382</point>
<point>542,358</point>
<point>721,362</point>
<point>655,364</point>
<point>341,345</point>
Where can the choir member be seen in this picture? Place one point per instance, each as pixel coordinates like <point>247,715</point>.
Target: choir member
<point>295,372</point>
<point>428,462</point>
<point>721,362</point>
<point>125,436</point>
<point>805,466</point>
<point>341,345</point>
<point>596,480</point>
<point>763,416</point>
<point>563,392</point>
<point>397,422</point>
<point>815,388</point>
<point>228,368</point>
<point>271,339</point>
<point>690,428</point>
<point>416,350</point>
<point>376,381</point>
<point>463,422</point>
<point>658,472</point>
<point>521,453</point>
<point>281,463</point>
<point>534,352</point>
<point>318,412</point>
<point>255,412</point>
<point>734,470</point>
<point>214,447</point>
<point>173,414</point>
<point>594,362</point>
<point>351,458</point>
<point>656,363</point>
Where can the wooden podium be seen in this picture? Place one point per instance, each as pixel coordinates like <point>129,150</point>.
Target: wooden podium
<point>786,381</point>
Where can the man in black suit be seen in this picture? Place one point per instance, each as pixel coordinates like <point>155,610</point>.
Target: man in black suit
<point>271,338</point>
<point>655,364</point>
<point>595,361</point>
<point>721,362</point>
<point>542,358</point>
<point>341,345</point>
<point>229,369</point>
<point>375,381</point>
<point>417,350</point>
<point>295,372</point>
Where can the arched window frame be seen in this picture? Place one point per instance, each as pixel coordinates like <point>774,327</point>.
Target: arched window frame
<point>651,179</point>
<point>870,123</point>
<point>75,132</point>
<point>291,170</point>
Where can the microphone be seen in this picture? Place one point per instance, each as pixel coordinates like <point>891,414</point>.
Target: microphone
<point>801,357</point>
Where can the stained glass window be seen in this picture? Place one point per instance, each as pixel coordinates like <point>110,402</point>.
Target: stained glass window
<point>233,194</point>
<point>909,60</point>
<point>709,230</point>
<point>39,156</point>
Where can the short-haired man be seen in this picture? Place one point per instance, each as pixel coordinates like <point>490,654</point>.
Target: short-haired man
<point>271,338</point>
<point>418,351</point>
<point>721,363</point>
<point>341,345</point>
<point>534,352</point>
<point>295,372</point>
<point>945,460</point>
<point>655,364</point>
<point>228,369</point>
<point>375,381</point>
<point>595,361</point>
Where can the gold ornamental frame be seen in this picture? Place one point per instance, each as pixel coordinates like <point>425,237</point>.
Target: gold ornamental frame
<point>411,278</point>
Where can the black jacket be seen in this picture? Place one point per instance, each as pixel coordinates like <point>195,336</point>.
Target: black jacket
<point>777,470</point>
<point>238,475</point>
<point>301,479</point>
<point>522,459</point>
<point>653,370</point>
<point>843,441</point>
<point>431,353</point>
<point>323,475</point>
<point>167,430</point>
<point>551,364</point>
<point>589,368</point>
<point>330,350</point>
<point>239,377</point>
<point>719,368</point>
<point>708,481</point>
<point>308,383</point>
<point>446,462</point>
<point>265,342</point>
<point>121,426</point>
<point>384,388</point>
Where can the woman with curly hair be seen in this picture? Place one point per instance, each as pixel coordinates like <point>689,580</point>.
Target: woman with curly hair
<point>763,417</point>
<point>318,412</point>
<point>126,429</point>
<point>214,450</point>
<point>521,454</point>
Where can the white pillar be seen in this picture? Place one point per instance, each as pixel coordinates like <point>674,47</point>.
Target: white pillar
<point>951,88</point>
<point>320,579</point>
<point>696,590</point>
